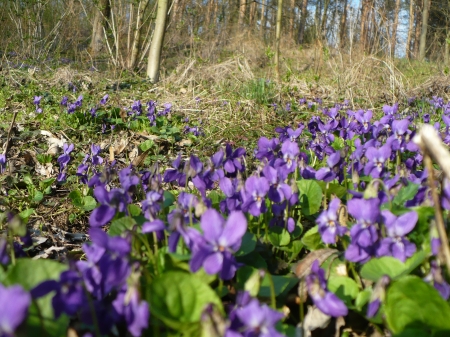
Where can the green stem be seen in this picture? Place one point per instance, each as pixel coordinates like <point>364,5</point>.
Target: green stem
<point>273,302</point>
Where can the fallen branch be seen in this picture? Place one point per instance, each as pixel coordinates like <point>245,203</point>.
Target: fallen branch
<point>8,137</point>
<point>433,148</point>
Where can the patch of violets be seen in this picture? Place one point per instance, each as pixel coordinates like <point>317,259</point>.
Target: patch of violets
<point>378,156</point>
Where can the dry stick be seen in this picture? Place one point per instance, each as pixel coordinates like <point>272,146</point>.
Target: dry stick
<point>8,137</point>
<point>433,148</point>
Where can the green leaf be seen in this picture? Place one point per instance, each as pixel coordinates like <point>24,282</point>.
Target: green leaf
<point>38,196</point>
<point>406,193</point>
<point>29,273</point>
<point>312,239</point>
<point>134,210</point>
<point>310,196</point>
<point>178,299</point>
<point>27,180</point>
<point>148,144</point>
<point>121,225</point>
<point>169,199</point>
<point>412,303</point>
<point>279,236</point>
<point>377,267</point>
<point>24,215</point>
<point>333,189</point>
<point>344,287</point>
<point>44,184</point>
<point>363,298</point>
<point>390,266</point>
<point>76,198</point>
<point>281,284</point>
<point>89,203</point>
<point>248,244</point>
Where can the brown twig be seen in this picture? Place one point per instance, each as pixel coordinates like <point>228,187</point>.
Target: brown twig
<point>8,137</point>
<point>432,147</point>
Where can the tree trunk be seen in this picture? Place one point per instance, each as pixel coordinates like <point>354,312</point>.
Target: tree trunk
<point>410,29</point>
<point>252,13</point>
<point>419,6</point>
<point>394,27</point>
<point>102,13</point>
<point>343,26</point>
<point>277,39</point>
<point>154,57</point>
<point>423,33</point>
<point>447,50</point>
<point>137,34</point>
<point>324,20</point>
<point>263,18</point>
<point>301,28</point>
<point>292,20</point>
<point>242,8</point>
<point>363,30</point>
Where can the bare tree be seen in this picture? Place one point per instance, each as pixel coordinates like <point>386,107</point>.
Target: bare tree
<point>137,34</point>
<point>410,29</point>
<point>102,14</point>
<point>418,28</point>
<point>302,26</point>
<point>394,27</point>
<point>365,8</point>
<point>292,19</point>
<point>277,39</point>
<point>242,8</point>
<point>343,25</point>
<point>423,33</point>
<point>263,18</point>
<point>154,57</point>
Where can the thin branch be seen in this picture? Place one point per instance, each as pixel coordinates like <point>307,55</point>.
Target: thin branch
<point>433,148</point>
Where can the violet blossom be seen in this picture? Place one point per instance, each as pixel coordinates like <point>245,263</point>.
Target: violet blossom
<point>325,300</point>
<point>221,239</point>
<point>328,223</point>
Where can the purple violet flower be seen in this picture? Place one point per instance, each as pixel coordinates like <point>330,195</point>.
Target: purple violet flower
<point>325,300</point>
<point>258,320</point>
<point>2,162</point>
<point>396,244</point>
<point>364,233</point>
<point>256,189</point>
<point>14,303</point>
<point>232,162</point>
<point>104,99</point>
<point>329,226</point>
<point>214,251</point>
<point>376,160</point>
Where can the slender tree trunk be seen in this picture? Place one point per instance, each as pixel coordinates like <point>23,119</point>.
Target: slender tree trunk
<point>137,34</point>
<point>394,27</point>
<point>324,20</point>
<point>208,13</point>
<point>214,14</point>
<point>242,8</point>
<point>102,13</point>
<point>410,29</point>
<point>423,33</point>
<point>343,26</point>
<point>154,57</point>
<point>363,31</point>
<point>317,18</point>
<point>252,13</point>
<point>447,49</point>
<point>277,39</point>
<point>263,18</point>
<point>419,6</point>
<point>292,20</point>
<point>301,28</point>
<point>175,11</point>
